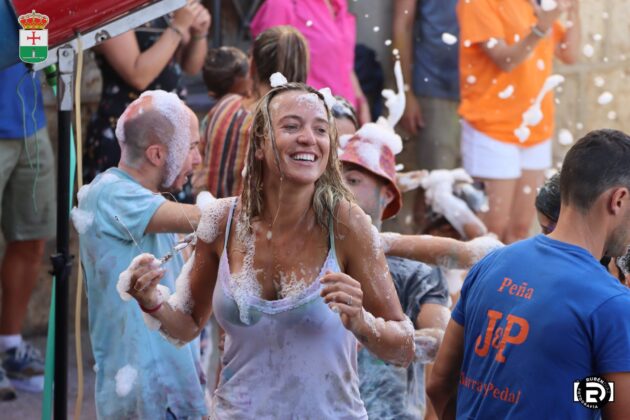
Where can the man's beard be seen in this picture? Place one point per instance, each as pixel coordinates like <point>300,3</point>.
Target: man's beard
<point>171,187</point>
<point>618,243</point>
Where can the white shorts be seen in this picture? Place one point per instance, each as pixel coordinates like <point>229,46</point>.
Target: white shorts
<point>485,157</point>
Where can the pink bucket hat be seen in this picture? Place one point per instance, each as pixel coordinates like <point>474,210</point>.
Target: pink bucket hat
<point>374,148</point>
<point>375,145</point>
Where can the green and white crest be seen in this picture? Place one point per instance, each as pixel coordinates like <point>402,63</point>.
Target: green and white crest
<point>33,45</point>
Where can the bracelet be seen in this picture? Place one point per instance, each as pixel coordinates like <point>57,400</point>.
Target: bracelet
<point>150,311</point>
<point>199,37</point>
<point>177,31</point>
<point>538,32</point>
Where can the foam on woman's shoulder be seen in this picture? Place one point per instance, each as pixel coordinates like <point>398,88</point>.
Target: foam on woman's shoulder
<point>212,214</point>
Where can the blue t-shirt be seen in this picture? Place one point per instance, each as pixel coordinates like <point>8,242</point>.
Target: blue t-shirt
<point>537,316</point>
<point>167,376</point>
<point>435,63</point>
<point>12,115</point>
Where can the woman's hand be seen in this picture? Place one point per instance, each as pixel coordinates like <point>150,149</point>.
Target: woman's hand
<point>201,24</point>
<point>184,17</point>
<point>343,294</point>
<point>546,18</point>
<point>145,274</point>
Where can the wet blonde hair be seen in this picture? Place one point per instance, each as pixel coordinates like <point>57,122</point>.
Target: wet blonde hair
<point>329,188</point>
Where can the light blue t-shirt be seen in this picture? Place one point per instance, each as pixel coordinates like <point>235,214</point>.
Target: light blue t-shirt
<point>537,316</point>
<point>167,376</point>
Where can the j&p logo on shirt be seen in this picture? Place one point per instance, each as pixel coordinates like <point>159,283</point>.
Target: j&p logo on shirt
<point>593,392</point>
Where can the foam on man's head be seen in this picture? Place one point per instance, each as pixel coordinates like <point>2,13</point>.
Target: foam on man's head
<point>164,117</point>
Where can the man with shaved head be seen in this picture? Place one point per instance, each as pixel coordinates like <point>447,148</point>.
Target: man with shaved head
<point>122,214</point>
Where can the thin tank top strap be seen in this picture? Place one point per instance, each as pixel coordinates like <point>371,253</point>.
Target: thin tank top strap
<point>229,224</point>
<point>331,236</point>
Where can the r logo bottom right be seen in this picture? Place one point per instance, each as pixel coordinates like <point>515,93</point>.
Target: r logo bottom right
<point>593,392</point>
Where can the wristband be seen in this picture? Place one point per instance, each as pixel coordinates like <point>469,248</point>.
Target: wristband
<point>150,311</point>
<point>199,37</point>
<point>538,32</point>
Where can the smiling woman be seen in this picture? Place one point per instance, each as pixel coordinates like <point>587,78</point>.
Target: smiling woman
<point>300,281</point>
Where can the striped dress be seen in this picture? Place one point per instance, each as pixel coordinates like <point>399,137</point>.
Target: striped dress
<point>225,139</point>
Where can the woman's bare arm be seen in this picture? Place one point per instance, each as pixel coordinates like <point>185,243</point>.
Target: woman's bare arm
<point>140,68</point>
<point>184,317</point>
<point>377,320</point>
<point>568,50</point>
<point>194,51</point>
<point>508,56</point>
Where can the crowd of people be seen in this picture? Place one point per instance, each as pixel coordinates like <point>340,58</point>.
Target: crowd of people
<point>284,270</point>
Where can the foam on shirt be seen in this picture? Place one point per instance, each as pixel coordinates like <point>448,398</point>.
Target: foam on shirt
<point>291,286</point>
<point>125,380</point>
<point>82,220</point>
<point>245,283</point>
<point>82,193</point>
